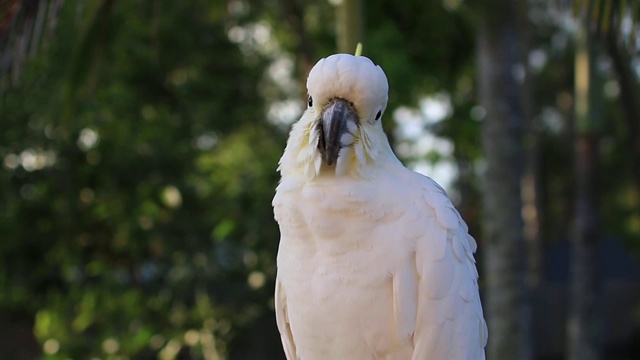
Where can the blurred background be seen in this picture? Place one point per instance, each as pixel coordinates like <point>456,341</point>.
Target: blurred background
<point>139,142</point>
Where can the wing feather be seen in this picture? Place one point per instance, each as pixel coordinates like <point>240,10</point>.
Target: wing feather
<point>435,196</point>
<point>449,322</point>
<point>437,245</point>
<point>458,247</point>
<point>436,277</point>
<point>404,308</point>
<point>282,320</point>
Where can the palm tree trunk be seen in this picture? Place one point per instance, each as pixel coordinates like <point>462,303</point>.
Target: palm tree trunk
<point>583,320</point>
<point>500,38</point>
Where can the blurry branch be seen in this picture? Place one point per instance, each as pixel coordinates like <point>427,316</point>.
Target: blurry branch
<point>629,91</point>
<point>154,30</point>
<point>91,47</point>
<point>7,8</point>
<point>606,17</point>
<point>350,28</point>
<point>616,23</point>
<point>629,95</point>
<point>22,24</point>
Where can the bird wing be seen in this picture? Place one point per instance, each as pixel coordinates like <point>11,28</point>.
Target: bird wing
<point>436,297</point>
<point>282,320</point>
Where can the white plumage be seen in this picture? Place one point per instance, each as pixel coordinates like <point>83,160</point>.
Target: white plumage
<point>374,260</point>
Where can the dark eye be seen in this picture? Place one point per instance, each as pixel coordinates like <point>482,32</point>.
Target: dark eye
<point>310,101</point>
<point>378,115</point>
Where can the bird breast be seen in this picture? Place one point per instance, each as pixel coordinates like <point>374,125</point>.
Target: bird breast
<point>337,253</point>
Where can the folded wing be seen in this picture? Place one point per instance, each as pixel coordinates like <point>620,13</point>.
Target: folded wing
<point>436,296</point>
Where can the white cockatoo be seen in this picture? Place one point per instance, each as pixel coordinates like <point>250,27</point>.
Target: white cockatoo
<point>374,261</point>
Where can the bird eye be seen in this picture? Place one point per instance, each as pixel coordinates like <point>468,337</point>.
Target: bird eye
<point>378,115</point>
<point>310,101</point>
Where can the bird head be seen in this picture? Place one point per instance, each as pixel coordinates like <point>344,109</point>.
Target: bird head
<point>340,132</point>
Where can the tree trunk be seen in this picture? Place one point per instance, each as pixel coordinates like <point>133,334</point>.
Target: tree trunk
<point>531,178</point>
<point>501,76</point>
<point>583,321</point>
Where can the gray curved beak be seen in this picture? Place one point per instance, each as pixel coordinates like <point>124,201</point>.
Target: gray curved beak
<point>333,124</point>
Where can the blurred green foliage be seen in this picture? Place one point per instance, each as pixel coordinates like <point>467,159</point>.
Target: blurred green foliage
<point>138,177</point>
<point>139,163</point>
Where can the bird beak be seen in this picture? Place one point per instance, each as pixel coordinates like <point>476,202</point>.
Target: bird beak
<point>334,123</point>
